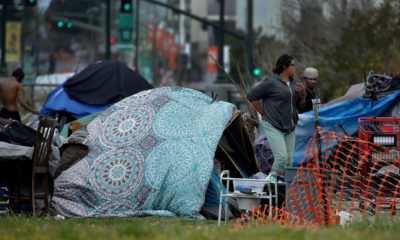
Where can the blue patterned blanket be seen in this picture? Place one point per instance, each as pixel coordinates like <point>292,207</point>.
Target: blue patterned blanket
<point>149,154</point>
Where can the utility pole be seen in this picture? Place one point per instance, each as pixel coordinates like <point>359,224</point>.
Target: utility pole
<point>108,30</point>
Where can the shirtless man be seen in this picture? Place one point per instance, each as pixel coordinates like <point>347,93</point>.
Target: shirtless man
<point>12,90</point>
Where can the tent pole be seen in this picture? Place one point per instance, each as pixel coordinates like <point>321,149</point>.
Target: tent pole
<point>319,164</point>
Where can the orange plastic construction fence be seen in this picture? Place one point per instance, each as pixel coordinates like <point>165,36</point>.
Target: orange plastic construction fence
<point>358,176</point>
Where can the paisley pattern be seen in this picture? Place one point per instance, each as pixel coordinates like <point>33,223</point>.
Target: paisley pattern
<point>124,127</point>
<point>151,153</point>
<point>117,173</point>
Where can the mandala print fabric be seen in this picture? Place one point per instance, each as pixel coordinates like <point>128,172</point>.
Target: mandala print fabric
<point>150,154</point>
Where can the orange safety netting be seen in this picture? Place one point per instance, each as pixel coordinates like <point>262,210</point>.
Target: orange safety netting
<point>358,176</point>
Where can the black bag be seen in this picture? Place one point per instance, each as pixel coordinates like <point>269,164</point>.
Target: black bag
<point>18,133</point>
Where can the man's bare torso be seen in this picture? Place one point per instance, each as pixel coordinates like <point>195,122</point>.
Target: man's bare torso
<point>9,93</point>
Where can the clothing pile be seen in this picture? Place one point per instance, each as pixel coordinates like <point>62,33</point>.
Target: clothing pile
<point>263,153</point>
<point>4,200</point>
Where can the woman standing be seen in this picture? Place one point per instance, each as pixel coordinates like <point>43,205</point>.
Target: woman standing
<point>281,97</point>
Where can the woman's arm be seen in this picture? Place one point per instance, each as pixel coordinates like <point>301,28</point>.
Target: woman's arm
<point>258,107</point>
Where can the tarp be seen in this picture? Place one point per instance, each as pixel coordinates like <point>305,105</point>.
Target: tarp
<point>340,117</point>
<point>104,83</point>
<point>355,91</point>
<point>58,101</point>
<point>150,154</point>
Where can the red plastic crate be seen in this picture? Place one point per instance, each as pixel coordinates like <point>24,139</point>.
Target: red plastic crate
<point>380,130</point>
<point>383,133</point>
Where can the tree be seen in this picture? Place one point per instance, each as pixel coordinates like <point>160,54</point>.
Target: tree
<point>368,43</point>
<point>314,30</point>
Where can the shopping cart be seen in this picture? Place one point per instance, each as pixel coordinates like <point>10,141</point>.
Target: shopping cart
<point>379,162</point>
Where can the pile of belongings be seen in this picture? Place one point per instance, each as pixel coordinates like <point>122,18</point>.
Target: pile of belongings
<point>4,200</point>
<point>15,132</point>
<point>376,84</point>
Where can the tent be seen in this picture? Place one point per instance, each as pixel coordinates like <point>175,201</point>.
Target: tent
<point>94,89</point>
<point>105,82</point>
<point>156,153</point>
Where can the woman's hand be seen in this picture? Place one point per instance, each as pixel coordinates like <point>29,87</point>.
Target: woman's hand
<point>301,91</point>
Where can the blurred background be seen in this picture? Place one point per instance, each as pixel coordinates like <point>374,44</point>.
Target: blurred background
<point>196,43</point>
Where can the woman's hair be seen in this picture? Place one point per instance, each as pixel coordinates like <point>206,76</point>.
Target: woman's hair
<point>282,63</point>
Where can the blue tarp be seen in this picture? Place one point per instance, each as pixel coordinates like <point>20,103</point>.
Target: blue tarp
<point>341,117</point>
<point>58,101</point>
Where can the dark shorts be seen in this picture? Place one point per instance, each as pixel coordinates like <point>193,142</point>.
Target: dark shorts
<point>4,113</point>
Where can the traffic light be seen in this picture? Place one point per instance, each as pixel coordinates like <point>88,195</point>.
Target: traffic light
<point>69,25</point>
<point>126,6</point>
<point>30,3</point>
<point>61,25</point>
<point>257,71</point>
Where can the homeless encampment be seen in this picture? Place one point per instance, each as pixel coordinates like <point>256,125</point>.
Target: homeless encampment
<point>94,89</point>
<point>158,152</point>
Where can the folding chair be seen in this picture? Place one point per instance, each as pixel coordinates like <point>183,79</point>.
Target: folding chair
<point>40,162</point>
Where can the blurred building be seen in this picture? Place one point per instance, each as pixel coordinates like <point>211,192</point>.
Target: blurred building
<point>192,37</point>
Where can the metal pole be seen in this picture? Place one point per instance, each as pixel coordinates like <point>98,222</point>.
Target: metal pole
<point>182,6</point>
<point>249,38</point>
<point>221,32</point>
<point>137,36</point>
<point>3,34</point>
<point>197,18</point>
<point>37,45</point>
<point>320,165</point>
<point>221,76</point>
<point>108,30</point>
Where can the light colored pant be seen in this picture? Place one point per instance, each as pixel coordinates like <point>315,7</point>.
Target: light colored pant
<point>282,147</point>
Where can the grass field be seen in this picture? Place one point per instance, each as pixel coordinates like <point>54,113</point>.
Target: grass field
<point>18,227</point>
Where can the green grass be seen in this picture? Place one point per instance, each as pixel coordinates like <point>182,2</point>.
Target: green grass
<point>19,227</point>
